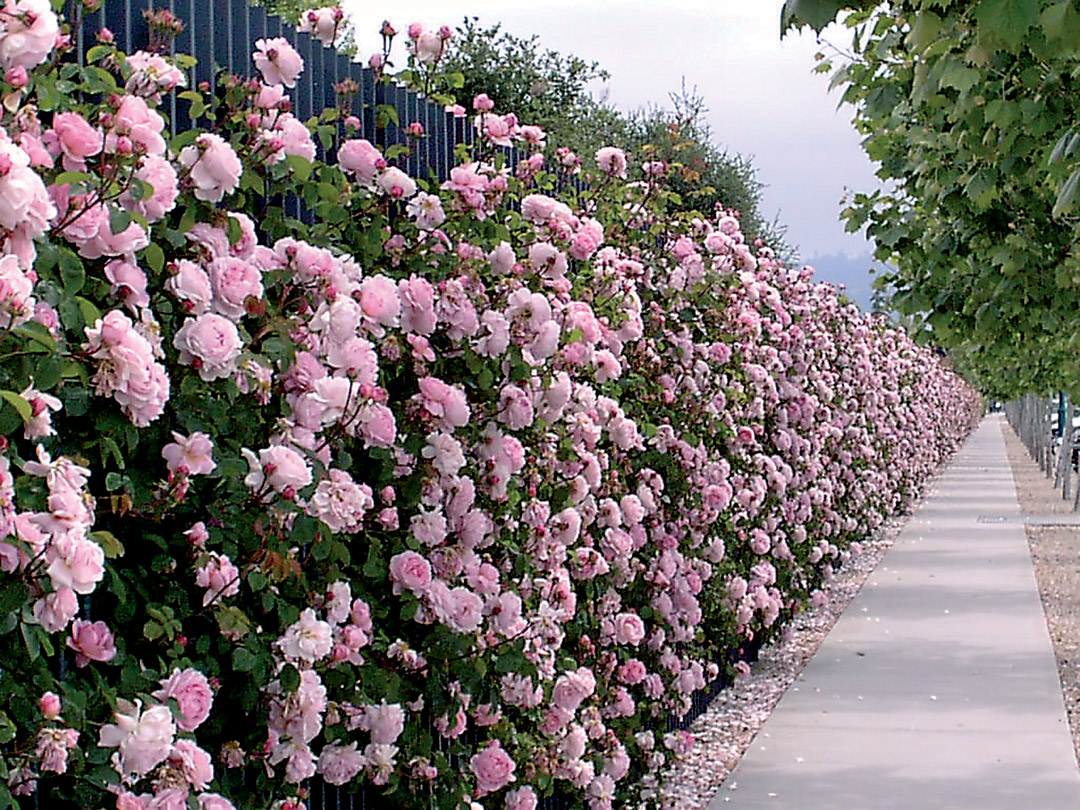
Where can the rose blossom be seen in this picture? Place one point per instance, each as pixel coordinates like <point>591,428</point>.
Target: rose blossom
<point>211,343</point>
<point>278,61</point>
<point>193,453</point>
<point>91,642</point>
<point>191,691</point>
<point>411,571</point>
<point>309,638</point>
<point>144,738</point>
<point>215,167</point>
<point>339,764</point>
<point>492,767</point>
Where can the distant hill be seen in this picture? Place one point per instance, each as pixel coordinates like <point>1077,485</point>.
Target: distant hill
<point>854,273</point>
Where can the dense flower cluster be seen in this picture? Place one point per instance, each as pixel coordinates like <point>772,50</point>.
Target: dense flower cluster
<point>452,493</point>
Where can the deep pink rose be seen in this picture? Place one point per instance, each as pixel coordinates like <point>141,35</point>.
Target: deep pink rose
<point>492,767</point>
<point>193,696</point>
<point>92,641</point>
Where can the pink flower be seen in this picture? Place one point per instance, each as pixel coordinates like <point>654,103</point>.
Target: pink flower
<point>140,124</point>
<point>42,406</point>
<point>74,138</point>
<point>445,453</point>
<point>340,502</point>
<point>219,576</point>
<point>76,562</point>
<point>612,160</point>
<point>492,767</point>
<point>339,764</point>
<point>587,239</point>
<point>191,285</point>
<point>278,61</point>
<point>385,722</point>
<point>629,629</point>
<point>321,23</point>
<point>49,705</point>
<point>427,210</point>
<point>395,183</point>
<point>359,157</point>
<point>522,798</point>
<point>233,281</point>
<point>144,738</point>
<point>515,408</point>
<point>92,641</point>
<point>53,611</point>
<point>409,570</point>
<point>191,691</point>
<point>211,343</point>
<point>308,639</point>
<point>571,688</point>
<point>379,300</point>
<point>212,801</point>
<point>215,167</point>
<point>444,402</point>
<point>193,453</point>
<point>30,31</point>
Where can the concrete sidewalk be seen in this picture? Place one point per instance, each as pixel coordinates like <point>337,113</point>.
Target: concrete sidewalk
<point>937,689</point>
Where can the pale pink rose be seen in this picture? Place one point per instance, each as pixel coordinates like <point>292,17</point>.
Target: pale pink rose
<point>49,705</point>
<point>17,303</point>
<point>191,285</point>
<point>379,300</point>
<point>76,562</point>
<point>191,691</point>
<point>427,211</point>
<point>295,137</point>
<point>340,502</point>
<point>445,453</point>
<point>612,160</point>
<point>538,208</point>
<point>417,305</point>
<point>53,611</point>
<point>193,762</point>
<point>219,576</point>
<point>73,137</point>
<point>376,425</point>
<point>359,157</point>
<point>211,343</point>
<point>52,748</point>
<point>308,639</point>
<point>233,281</point>
<point>278,61</point>
<point>144,738</point>
<point>42,406</point>
<point>587,239</point>
<point>135,120</point>
<point>339,764</point>
<point>385,722</point>
<point>427,46</point>
<point>629,629</point>
<point>21,189</point>
<point>92,641</point>
<point>128,281</point>
<point>322,23</point>
<point>444,402</point>
<point>194,453</point>
<point>215,167</point>
<point>409,570</point>
<point>571,688</point>
<point>29,34</point>
<point>515,408</point>
<point>283,468</point>
<point>395,183</point>
<point>523,798</point>
<point>152,75</point>
<point>213,801</point>
<point>492,767</point>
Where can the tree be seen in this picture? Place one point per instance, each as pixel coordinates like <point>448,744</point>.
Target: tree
<point>971,109</point>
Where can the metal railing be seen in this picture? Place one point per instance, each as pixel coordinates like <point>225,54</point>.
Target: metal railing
<point>1045,427</point>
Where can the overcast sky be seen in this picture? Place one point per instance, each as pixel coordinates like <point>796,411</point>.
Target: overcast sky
<point>763,100</point>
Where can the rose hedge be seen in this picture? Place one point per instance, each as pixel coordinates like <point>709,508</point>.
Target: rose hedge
<point>452,492</point>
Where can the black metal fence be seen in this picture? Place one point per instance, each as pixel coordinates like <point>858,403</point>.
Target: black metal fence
<point>221,35</point>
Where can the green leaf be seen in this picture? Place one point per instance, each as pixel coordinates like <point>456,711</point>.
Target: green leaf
<point>72,272</point>
<point>300,166</point>
<point>112,547</point>
<point>7,729</point>
<point>89,311</point>
<point>155,257</point>
<point>290,679</point>
<point>1066,197</point>
<point>233,230</point>
<point>815,13</point>
<point>32,330</point>
<point>1007,20</point>
<point>25,409</point>
<point>1062,22</point>
<point>243,660</point>
<point>119,220</point>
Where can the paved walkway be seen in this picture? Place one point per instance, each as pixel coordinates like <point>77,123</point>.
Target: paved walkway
<point>937,689</point>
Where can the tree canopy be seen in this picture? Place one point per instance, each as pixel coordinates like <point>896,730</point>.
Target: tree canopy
<point>972,110</point>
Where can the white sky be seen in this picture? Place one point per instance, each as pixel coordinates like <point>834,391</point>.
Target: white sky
<point>763,100</point>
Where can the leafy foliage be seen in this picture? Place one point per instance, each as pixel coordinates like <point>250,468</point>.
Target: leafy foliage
<point>971,109</point>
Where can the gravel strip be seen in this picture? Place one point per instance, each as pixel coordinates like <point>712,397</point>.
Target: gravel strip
<point>724,732</point>
<point>1056,553</point>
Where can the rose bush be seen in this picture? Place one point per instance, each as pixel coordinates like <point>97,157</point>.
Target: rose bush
<point>450,491</point>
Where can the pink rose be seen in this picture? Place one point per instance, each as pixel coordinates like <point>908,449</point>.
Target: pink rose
<point>359,157</point>
<point>411,571</point>
<point>629,629</point>
<point>612,160</point>
<point>571,688</point>
<point>446,403</point>
<point>92,641</point>
<point>30,33</point>
<point>143,126</point>
<point>339,764</point>
<point>74,138</point>
<point>232,281</point>
<point>193,696</point>
<point>191,285</point>
<point>193,453</point>
<point>215,167</point>
<point>49,705</point>
<point>53,611</point>
<point>278,61</point>
<point>212,801</point>
<point>211,343</point>
<point>492,767</point>
<point>522,798</point>
<point>379,300</point>
<point>76,562</point>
